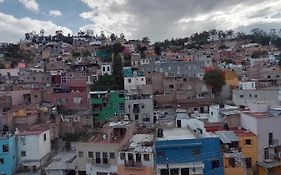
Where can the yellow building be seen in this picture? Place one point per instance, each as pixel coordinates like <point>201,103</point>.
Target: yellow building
<point>240,151</point>
<point>248,143</point>
<point>231,78</point>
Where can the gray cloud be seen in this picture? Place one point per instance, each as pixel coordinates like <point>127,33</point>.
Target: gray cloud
<point>161,19</point>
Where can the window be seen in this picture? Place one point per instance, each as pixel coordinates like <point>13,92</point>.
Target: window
<point>270,138</point>
<point>129,80</point>
<point>231,162</point>
<point>248,162</point>
<point>104,158</point>
<point>90,154</point>
<point>241,96</point>
<point>171,86</point>
<point>22,140</point>
<point>196,151</point>
<point>142,79</point>
<point>121,107</point>
<point>215,163</point>
<point>136,117</point>
<point>112,155</point>
<point>81,154</point>
<point>250,95</point>
<point>121,95</point>
<point>248,142</point>
<point>146,118</point>
<point>174,171</point>
<point>45,137</point>
<point>98,158</point>
<point>268,77</point>
<point>122,156</point>
<point>23,153</point>
<point>212,113</point>
<point>5,148</point>
<point>146,157</point>
<point>1,161</point>
<point>164,172</point>
<point>108,68</point>
<point>256,95</point>
<point>77,100</point>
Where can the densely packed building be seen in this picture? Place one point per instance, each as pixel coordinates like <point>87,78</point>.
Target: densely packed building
<point>92,105</point>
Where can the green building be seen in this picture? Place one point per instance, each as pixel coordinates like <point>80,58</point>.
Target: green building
<point>107,104</point>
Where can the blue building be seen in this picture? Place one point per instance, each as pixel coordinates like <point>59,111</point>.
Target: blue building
<point>184,151</point>
<point>8,156</point>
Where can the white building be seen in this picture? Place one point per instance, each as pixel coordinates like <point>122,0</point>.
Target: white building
<point>217,112</point>
<point>265,122</point>
<point>9,72</point>
<point>247,85</point>
<point>34,148</point>
<point>106,69</point>
<point>134,81</point>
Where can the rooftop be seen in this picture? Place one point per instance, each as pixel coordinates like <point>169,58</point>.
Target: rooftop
<point>113,132</point>
<point>63,161</point>
<point>140,143</point>
<point>177,134</point>
<point>240,132</point>
<point>31,132</point>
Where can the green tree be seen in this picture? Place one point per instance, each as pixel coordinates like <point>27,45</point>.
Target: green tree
<point>117,71</point>
<point>157,49</point>
<point>86,53</point>
<point>215,80</point>
<point>145,40</point>
<point>105,83</point>
<point>113,37</point>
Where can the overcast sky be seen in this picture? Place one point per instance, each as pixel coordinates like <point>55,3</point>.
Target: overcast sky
<point>157,19</point>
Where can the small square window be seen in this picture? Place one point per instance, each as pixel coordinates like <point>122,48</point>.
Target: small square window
<point>146,157</point>
<point>129,80</point>
<point>90,154</point>
<point>23,153</point>
<point>215,163</point>
<point>248,142</point>
<point>81,154</point>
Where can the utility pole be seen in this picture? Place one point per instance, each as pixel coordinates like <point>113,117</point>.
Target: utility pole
<point>168,167</point>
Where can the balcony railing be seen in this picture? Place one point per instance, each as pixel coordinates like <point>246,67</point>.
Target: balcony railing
<point>133,164</point>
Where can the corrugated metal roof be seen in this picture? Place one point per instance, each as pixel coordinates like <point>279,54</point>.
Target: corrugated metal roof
<point>227,136</point>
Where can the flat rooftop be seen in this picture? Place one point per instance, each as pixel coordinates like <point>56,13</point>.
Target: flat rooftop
<point>177,134</point>
<point>63,161</point>
<point>140,143</point>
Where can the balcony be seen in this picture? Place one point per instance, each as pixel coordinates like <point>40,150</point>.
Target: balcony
<point>274,143</point>
<point>133,164</point>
